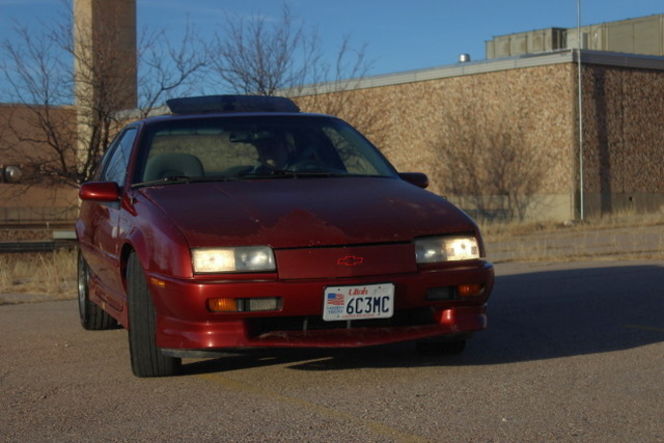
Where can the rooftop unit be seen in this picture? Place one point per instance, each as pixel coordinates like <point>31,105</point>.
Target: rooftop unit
<point>531,42</point>
<point>643,35</point>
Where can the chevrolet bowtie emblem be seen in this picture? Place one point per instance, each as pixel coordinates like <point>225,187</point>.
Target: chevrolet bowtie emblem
<point>350,260</point>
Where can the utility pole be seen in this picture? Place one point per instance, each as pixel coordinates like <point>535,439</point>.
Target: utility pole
<point>580,105</point>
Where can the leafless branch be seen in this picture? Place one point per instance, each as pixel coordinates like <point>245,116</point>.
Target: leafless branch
<point>489,166</point>
<point>64,145</point>
<point>167,68</point>
<point>266,57</point>
<point>256,56</point>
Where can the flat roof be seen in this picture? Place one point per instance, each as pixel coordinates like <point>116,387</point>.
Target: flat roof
<point>617,59</point>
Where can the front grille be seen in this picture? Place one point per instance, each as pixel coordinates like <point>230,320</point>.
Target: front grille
<point>411,317</point>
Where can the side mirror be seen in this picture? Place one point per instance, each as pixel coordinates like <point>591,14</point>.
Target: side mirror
<point>415,178</point>
<point>99,191</point>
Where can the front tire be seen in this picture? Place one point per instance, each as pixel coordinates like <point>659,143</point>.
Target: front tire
<point>146,358</point>
<point>93,317</point>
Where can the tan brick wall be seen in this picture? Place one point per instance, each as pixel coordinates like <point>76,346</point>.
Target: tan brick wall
<point>36,202</point>
<point>623,138</point>
<point>412,123</point>
<point>20,203</point>
<point>536,105</point>
<point>18,121</point>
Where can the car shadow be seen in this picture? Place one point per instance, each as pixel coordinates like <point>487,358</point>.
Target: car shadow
<point>532,316</point>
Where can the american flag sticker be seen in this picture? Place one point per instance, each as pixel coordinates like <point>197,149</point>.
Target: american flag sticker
<point>336,299</point>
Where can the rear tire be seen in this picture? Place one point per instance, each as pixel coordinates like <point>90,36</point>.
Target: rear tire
<point>93,317</point>
<point>146,358</point>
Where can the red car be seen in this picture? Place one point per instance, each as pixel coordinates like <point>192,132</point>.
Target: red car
<point>240,222</point>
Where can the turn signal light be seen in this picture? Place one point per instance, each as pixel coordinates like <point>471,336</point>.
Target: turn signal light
<point>470,290</point>
<point>157,282</point>
<point>244,304</point>
<point>222,305</point>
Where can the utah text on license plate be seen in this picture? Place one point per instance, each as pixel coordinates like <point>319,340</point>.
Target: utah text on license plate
<point>358,302</point>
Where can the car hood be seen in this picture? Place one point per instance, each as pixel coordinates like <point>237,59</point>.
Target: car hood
<point>291,213</point>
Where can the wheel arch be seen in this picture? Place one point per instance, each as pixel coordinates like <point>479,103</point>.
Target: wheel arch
<point>135,243</point>
<point>127,250</point>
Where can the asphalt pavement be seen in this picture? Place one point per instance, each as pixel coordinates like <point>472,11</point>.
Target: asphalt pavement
<point>573,352</point>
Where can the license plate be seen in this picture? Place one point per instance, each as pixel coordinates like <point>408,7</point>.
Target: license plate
<point>358,302</point>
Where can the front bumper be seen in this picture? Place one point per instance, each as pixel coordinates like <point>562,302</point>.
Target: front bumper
<point>184,322</point>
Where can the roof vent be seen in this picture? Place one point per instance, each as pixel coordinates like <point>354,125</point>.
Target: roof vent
<point>231,103</point>
<point>464,58</point>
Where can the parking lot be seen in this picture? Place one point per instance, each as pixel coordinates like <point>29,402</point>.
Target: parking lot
<point>574,351</point>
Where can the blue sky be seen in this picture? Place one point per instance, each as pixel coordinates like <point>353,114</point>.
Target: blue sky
<point>399,35</point>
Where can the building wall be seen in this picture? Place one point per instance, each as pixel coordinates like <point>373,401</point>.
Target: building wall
<point>417,123</point>
<point>534,106</point>
<point>535,110</point>
<point>37,203</point>
<point>33,198</point>
<point>623,139</point>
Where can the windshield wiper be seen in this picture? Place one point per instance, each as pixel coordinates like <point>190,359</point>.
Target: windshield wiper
<point>180,179</point>
<point>168,180</point>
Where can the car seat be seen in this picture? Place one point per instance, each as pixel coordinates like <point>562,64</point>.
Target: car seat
<point>173,165</point>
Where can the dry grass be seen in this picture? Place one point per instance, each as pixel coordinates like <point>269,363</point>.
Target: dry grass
<point>12,235</point>
<point>501,231</point>
<point>37,276</point>
<point>620,237</point>
<point>52,275</point>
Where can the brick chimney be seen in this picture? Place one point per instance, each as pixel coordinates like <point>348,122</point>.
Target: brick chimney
<point>105,47</point>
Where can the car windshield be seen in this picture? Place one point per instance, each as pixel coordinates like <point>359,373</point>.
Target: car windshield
<point>250,147</point>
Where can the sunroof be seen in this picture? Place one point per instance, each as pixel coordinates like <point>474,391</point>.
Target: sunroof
<point>231,103</point>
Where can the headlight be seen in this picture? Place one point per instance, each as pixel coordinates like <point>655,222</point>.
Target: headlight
<point>442,249</point>
<point>242,259</point>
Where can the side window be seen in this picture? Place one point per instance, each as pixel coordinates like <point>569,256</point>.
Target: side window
<point>115,169</point>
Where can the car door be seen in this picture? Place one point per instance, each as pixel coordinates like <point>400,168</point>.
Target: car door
<point>104,224</point>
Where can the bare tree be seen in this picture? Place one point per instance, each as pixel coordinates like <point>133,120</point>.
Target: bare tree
<point>167,69</point>
<point>38,69</point>
<point>487,164</point>
<point>256,55</point>
<point>337,91</point>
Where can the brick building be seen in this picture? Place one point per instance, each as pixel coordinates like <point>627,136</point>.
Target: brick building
<point>525,108</point>
<point>534,100</point>
<point>104,38</point>
<point>24,198</point>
